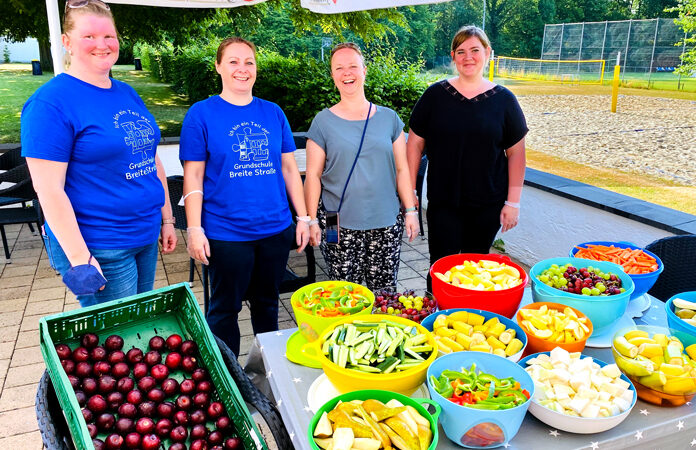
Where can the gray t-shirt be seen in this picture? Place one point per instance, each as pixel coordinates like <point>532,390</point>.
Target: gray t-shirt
<point>371,200</point>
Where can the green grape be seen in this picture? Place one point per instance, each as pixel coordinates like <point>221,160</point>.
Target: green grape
<point>622,290</point>
<point>601,287</point>
<point>586,291</point>
<point>563,282</point>
<point>544,278</point>
<point>594,291</point>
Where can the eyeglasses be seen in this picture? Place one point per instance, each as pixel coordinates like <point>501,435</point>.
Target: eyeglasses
<point>73,4</point>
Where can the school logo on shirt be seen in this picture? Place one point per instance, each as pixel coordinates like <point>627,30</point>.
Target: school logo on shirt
<point>139,138</point>
<point>138,132</point>
<point>250,141</point>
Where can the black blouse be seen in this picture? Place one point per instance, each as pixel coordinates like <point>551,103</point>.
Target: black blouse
<point>465,141</point>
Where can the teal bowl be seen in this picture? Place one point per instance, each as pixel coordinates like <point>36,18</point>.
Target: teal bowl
<point>603,311</point>
<point>684,331</point>
<point>480,428</point>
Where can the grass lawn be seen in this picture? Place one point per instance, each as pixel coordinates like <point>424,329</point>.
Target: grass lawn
<point>17,84</point>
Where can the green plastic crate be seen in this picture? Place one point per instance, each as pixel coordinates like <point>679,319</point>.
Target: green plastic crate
<point>162,312</point>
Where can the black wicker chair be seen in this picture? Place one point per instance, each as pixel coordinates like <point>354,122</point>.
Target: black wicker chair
<point>678,254</point>
<point>56,435</point>
<point>20,193</point>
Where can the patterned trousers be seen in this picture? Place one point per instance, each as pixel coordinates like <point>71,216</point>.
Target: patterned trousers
<point>369,257</point>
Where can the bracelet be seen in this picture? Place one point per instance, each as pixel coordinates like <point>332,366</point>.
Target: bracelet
<point>190,193</point>
<point>411,209</point>
<point>305,219</point>
<point>188,230</point>
<point>314,222</point>
<point>171,220</point>
<point>411,213</point>
<point>512,204</point>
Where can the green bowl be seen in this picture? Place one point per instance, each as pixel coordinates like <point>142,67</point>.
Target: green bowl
<point>420,404</point>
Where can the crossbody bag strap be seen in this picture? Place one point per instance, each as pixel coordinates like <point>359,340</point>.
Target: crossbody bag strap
<point>362,139</point>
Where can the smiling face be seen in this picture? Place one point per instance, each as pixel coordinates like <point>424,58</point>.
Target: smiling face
<point>348,71</point>
<point>237,68</point>
<point>470,57</point>
<point>92,43</point>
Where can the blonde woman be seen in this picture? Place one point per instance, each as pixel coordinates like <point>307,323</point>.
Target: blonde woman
<point>356,166</point>
<point>91,145</point>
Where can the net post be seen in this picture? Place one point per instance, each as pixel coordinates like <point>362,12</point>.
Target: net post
<point>615,83</point>
<point>491,67</point>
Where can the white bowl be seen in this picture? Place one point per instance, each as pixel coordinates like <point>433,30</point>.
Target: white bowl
<point>574,424</point>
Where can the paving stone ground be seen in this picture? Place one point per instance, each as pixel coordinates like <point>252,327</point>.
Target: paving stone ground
<point>30,289</point>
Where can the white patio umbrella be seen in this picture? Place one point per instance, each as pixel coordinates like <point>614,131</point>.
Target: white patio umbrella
<point>318,6</point>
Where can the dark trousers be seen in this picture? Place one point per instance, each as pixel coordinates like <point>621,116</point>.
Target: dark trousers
<point>461,230</point>
<point>251,270</point>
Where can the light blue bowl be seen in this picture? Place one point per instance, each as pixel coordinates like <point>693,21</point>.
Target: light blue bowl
<point>685,332</point>
<point>604,311</point>
<point>457,420</point>
<point>427,323</point>
<point>644,281</point>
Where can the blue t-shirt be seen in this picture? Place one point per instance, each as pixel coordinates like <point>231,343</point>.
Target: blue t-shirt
<point>109,140</point>
<point>244,189</point>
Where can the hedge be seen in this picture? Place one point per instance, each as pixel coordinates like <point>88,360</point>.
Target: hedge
<point>300,84</point>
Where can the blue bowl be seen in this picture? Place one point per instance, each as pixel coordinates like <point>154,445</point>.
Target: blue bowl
<point>460,422</point>
<point>603,311</point>
<point>684,331</point>
<point>583,425</point>
<point>427,323</point>
<point>644,281</point>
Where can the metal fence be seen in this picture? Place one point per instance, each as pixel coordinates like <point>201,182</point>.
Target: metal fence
<point>649,49</point>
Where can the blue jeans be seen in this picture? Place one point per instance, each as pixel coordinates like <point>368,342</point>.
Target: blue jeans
<point>251,270</point>
<point>128,271</point>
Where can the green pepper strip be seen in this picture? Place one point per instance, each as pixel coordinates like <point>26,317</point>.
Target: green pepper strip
<point>517,395</point>
<point>350,309</point>
<point>481,405</point>
<point>505,399</point>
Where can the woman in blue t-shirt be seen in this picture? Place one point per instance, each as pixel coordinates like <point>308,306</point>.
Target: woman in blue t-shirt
<point>357,167</point>
<point>91,145</point>
<point>239,171</point>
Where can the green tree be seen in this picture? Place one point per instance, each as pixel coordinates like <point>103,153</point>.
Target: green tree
<point>524,34</point>
<point>686,10</point>
<point>650,9</point>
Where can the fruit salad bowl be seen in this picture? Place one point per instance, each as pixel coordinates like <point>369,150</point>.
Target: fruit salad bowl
<point>603,311</point>
<point>653,358</point>
<point>504,302</point>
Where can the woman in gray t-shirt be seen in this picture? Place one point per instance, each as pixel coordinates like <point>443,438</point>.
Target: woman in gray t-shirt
<point>371,223</point>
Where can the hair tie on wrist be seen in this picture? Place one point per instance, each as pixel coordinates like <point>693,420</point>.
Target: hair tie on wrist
<point>512,204</point>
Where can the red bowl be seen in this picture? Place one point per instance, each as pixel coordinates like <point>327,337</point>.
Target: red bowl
<point>503,302</point>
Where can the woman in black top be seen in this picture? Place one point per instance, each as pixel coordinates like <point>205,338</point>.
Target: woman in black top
<point>473,133</point>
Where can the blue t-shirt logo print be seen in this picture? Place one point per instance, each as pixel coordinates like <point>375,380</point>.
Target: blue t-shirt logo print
<point>138,137</point>
<point>252,143</point>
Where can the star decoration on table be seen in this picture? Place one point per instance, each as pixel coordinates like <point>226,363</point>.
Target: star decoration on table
<point>269,374</point>
<point>688,403</point>
<point>594,445</point>
<point>292,435</point>
<point>280,402</point>
<point>638,435</point>
<point>506,445</point>
<point>279,333</point>
<point>680,425</point>
<point>554,433</point>
<point>644,412</point>
<point>655,306</point>
<point>297,380</point>
<point>693,442</point>
<point>261,348</point>
<point>307,409</point>
<point>653,317</point>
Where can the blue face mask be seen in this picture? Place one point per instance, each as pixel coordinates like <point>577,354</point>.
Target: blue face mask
<point>84,279</point>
